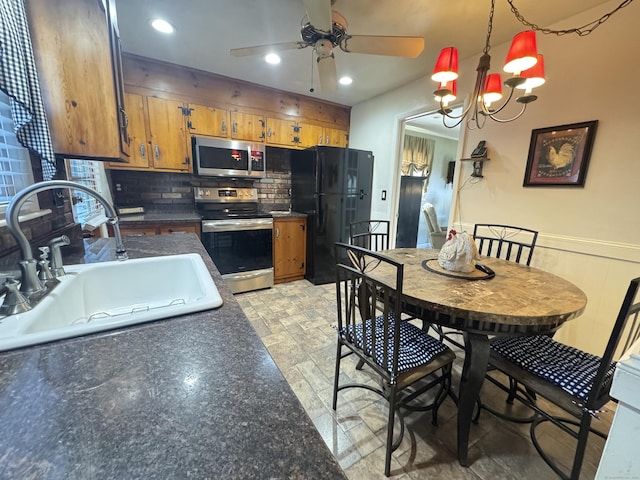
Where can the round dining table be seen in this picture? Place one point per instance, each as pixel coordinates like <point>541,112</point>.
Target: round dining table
<point>504,298</point>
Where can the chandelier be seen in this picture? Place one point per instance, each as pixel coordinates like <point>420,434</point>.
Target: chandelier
<point>523,63</point>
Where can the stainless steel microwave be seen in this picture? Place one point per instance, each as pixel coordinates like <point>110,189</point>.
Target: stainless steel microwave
<point>216,157</point>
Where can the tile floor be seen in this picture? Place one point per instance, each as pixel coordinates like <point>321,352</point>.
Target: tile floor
<point>295,322</point>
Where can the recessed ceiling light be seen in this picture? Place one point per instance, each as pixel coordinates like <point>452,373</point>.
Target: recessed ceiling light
<point>162,26</point>
<point>272,58</point>
<point>345,80</point>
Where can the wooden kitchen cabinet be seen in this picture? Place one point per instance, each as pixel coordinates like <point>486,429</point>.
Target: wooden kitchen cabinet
<point>139,153</point>
<point>158,135</point>
<point>280,132</point>
<point>210,121</point>
<point>76,46</point>
<point>289,248</point>
<point>247,126</point>
<point>308,135</point>
<point>167,135</point>
<point>334,137</point>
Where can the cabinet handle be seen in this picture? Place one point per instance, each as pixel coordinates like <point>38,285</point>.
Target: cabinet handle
<point>156,149</point>
<point>224,127</point>
<point>277,232</point>
<point>269,132</point>
<point>327,142</point>
<point>320,140</point>
<point>234,128</point>
<point>143,151</point>
<point>125,118</point>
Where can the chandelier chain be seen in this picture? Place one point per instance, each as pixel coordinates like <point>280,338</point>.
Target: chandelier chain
<point>487,44</point>
<point>581,31</point>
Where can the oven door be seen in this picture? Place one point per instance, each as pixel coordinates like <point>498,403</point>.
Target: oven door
<point>242,249</point>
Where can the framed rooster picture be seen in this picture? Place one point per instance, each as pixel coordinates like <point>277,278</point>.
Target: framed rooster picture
<point>559,156</point>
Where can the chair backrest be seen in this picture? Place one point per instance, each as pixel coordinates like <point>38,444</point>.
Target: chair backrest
<point>368,306</point>
<point>370,234</point>
<point>625,332</point>
<point>431,218</point>
<point>511,243</point>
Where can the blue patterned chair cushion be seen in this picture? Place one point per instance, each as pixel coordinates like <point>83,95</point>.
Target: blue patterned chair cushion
<point>569,368</point>
<point>417,347</point>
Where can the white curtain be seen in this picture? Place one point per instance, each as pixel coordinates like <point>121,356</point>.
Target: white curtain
<point>417,157</point>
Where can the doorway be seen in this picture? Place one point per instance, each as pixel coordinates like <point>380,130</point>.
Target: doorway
<point>432,184</point>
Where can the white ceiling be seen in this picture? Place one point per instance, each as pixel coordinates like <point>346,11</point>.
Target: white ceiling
<point>207,29</point>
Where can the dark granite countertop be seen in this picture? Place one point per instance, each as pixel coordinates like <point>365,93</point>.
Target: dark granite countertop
<point>195,396</point>
<point>286,214</point>
<point>155,217</point>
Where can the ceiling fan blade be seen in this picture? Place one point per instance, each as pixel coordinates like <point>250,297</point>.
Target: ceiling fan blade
<point>319,14</point>
<point>409,47</point>
<point>328,75</point>
<point>264,49</point>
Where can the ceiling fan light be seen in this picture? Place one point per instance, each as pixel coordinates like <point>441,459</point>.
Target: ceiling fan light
<point>492,89</point>
<point>523,53</point>
<point>534,76</point>
<point>272,58</point>
<point>446,68</point>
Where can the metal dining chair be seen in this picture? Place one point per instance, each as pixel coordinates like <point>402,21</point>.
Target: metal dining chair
<point>370,234</point>
<point>576,381</point>
<point>406,359</point>
<point>508,242</point>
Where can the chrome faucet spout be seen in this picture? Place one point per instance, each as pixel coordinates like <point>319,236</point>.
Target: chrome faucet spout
<point>13,223</point>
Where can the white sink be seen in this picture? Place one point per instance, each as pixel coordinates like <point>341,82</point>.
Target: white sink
<point>102,296</point>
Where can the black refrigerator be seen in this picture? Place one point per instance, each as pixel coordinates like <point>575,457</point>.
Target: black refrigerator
<point>332,186</point>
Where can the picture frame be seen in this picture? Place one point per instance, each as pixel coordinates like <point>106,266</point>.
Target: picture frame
<point>559,156</point>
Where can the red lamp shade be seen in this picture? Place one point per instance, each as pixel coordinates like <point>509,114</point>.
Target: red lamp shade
<point>523,52</point>
<point>534,76</point>
<point>492,88</point>
<point>446,68</point>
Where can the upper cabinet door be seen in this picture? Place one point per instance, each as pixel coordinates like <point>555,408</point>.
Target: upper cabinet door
<point>75,46</point>
<point>280,132</point>
<point>246,126</point>
<point>167,134</point>
<point>335,137</point>
<point>139,154</point>
<point>308,135</point>
<point>205,120</point>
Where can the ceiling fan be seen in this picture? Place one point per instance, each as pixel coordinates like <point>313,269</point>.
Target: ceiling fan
<point>325,29</point>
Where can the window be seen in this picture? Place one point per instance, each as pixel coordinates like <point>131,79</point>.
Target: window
<point>87,211</point>
<point>15,163</point>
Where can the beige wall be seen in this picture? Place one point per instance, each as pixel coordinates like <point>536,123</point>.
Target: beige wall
<point>590,235</point>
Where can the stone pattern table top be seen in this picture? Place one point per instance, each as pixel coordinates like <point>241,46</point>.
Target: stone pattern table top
<point>517,295</point>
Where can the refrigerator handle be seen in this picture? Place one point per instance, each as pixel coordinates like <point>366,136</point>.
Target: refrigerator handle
<point>319,172</point>
<point>319,228</point>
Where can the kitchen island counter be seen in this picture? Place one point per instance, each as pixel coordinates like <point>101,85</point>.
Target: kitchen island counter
<point>196,396</point>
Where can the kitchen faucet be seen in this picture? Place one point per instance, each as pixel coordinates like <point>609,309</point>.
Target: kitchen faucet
<point>31,285</point>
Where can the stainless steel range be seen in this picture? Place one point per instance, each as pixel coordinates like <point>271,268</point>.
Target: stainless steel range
<point>238,238</point>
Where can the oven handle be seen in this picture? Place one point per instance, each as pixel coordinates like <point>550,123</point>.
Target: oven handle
<point>236,225</point>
